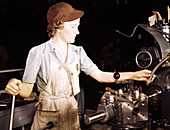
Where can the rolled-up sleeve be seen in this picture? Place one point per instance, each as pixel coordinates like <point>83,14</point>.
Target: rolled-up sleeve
<point>32,66</point>
<point>86,64</point>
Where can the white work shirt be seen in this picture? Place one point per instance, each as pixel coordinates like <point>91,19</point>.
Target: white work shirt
<point>38,62</point>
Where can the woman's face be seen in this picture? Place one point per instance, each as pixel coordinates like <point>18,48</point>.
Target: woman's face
<point>70,31</point>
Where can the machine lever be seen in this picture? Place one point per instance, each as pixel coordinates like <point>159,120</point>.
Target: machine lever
<point>155,94</point>
<point>12,112</point>
<point>156,67</point>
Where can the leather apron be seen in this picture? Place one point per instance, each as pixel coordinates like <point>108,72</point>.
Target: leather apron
<point>57,103</point>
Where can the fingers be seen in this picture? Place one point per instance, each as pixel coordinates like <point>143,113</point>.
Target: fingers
<point>15,81</point>
<point>149,74</point>
<point>151,80</point>
<point>146,73</point>
<point>142,79</point>
<point>143,75</point>
<point>13,87</point>
<point>153,77</point>
<point>148,82</point>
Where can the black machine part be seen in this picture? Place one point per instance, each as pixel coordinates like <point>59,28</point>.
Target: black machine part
<point>157,34</point>
<point>121,109</point>
<point>103,114</point>
<point>147,57</point>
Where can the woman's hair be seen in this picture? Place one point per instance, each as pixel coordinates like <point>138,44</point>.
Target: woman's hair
<point>53,27</point>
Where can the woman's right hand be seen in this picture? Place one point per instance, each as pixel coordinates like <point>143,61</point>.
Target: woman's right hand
<point>13,86</point>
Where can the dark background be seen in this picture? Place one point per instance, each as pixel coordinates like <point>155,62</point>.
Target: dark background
<point>23,25</point>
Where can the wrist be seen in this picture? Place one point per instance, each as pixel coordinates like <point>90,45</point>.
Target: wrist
<point>132,75</point>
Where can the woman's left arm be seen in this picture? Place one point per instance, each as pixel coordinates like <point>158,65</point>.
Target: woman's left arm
<point>108,77</point>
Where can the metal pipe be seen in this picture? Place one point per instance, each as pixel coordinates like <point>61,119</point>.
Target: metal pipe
<point>3,105</point>
<point>88,119</point>
<point>12,70</point>
<point>12,112</point>
<point>126,34</point>
<point>13,97</point>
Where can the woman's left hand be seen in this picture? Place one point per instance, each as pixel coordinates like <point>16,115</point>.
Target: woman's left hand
<point>143,75</point>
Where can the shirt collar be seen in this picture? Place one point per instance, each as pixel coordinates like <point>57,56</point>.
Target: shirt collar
<point>51,47</point>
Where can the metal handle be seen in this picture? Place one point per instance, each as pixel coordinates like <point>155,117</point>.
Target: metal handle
<point>156,67</point>
<point>12,112</point>
<point>88,119</point>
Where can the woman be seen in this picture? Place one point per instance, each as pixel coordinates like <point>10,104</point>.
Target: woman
<point>55,66</point>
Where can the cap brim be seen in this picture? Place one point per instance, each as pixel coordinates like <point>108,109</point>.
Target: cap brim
<point>74,15</point>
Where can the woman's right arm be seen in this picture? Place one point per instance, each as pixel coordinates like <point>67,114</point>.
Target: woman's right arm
<point>15,87</point>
